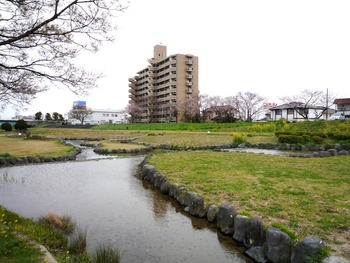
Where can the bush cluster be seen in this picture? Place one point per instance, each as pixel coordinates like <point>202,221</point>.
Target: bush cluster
<point>302,137</point>
<point>6,126</point>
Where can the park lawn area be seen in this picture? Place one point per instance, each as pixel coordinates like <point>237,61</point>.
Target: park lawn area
<point>197,139</point>
<point>174,138</point>
<point>77,133</point>
<point>114,145</point>
<point>301,196</point>
<point>20,147</point>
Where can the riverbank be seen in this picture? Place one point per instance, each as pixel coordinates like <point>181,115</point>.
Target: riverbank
<point>302,196</point>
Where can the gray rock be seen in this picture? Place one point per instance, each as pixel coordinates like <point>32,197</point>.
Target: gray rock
<point>146,170</point>
<point>261,145</point>
<point>345,147</point>
<point>2,161</point>
<point>198,207</point>
<point>278,245</point>
<point>329,146</point>
<point>189,198</point>
<point>165,187</point>
<point>306,249</point>
<point>225,218</point>
<point>255,233</point>
<point>316,154</point>
<point>153,177</point>
<point>333,152</point>
<point>172,190</point>
<point>335,260</point>
<point>240,228</point>
<point>257,253</point>
<point>343,152</point>
<point>159,180</point>
<point>324,153</point>
<point>212,213</point>
<point>11,161</point>
<point>181,193</point>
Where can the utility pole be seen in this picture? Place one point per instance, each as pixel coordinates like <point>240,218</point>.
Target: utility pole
<point>327,105</point>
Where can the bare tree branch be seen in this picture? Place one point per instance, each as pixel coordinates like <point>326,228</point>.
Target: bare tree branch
<point>39,40</point>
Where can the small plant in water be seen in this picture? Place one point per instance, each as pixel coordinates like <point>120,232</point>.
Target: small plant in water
<point>7,179</point>
<point>105,254</point>
<point>77,242</point>
<point>64,224</point>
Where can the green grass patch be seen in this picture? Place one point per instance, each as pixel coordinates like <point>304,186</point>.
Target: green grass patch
<point>308,196</point>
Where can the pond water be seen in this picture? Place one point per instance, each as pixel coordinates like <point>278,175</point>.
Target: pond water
<point>271,152</point>
<point>106,197</point>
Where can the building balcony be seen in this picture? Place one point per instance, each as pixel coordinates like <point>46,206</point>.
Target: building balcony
<point>131,85</point>
<point>189,76</point>
<point>189,69</point>
<point>132,91</point>
<point>132,97</point>
<point>132,80</point>
<point>189,83</point>
<point>189,91</point>
<point>189,62</point>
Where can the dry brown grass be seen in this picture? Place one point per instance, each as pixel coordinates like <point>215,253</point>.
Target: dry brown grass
<point>114,145</point>
<point>62,223</point>
<point>20,147</point>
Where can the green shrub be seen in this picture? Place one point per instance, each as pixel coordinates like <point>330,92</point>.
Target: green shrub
<point>341,136</point>
<point>317,139</point>
<point>105,254</point>
<point>6,126</point>
<point>291,139</point>
<point>21,125</point>
<point>238,138</point>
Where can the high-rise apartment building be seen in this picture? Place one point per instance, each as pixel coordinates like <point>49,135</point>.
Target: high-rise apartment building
<point>166,81</point>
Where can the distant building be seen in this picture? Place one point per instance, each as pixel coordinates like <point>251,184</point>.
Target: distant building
<point>166,81</point>
<point>105,116</point>
<point>296,111</point>
<point>343,105</point>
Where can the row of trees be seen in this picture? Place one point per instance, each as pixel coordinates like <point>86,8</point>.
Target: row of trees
<point>73,114</point>
<point>56,117</point>
<point>244,106</point>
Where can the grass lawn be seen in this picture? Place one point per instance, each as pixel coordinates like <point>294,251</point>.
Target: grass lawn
<point>114,145</point>
<point>302,196</point>
<point>20,147</point>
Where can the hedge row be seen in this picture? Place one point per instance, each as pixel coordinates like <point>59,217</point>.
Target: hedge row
<point>316,137</point>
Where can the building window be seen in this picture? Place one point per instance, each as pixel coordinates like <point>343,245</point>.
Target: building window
<point>290,111</point>
<point>103,115</point>
<point>278,112</point>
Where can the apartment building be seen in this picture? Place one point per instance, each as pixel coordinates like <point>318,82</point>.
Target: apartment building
<point>158,88</point>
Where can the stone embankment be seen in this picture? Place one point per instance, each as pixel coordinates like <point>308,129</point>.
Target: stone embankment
<point>12,161</point>
<point>270,245</point>
<point>296,150</point>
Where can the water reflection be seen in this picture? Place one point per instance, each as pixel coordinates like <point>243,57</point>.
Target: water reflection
<point>106,198</point>
<point>271,152</point>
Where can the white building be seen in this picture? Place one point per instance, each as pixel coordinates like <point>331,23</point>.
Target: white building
<point>299,112</point>
<point>104,116</point>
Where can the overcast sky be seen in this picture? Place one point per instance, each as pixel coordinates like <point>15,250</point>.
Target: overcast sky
<point>270,47</point>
